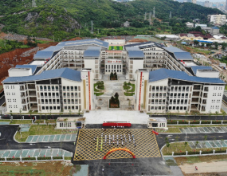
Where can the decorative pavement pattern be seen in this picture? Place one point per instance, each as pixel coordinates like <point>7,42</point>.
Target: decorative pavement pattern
<point>144,144</point>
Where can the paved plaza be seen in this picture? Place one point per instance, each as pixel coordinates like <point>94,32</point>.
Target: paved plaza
<point>98,117</point>
<point>144,144</point>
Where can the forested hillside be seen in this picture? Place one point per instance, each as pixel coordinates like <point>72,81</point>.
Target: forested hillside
<point>45,21</point>
<point>61,19</point>
<point>106,13</point>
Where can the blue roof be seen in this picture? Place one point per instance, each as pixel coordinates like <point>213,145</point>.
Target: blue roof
<point>43,54</point>
<point>50,74</point>
<point>92,52</point>
<point>33,67</point>
<point>163,73</point>
<point>195,68</point>
<point>53,48</point>
<point>179,54</point>
<point>215,27</point>
<point>85,42</point>
<point>183,56</point>
<point>173,49</point>
<point>204,41</point>
<point>135,52</point>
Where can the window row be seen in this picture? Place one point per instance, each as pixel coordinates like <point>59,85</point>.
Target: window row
<point>214,107</point>
<point>49,94</point>
<point>8,93</point>
<point>65,124</point>
<point>12,106</point>
<point>157,88</point>
<point>50,107</point>
<point>178,108</point>
<point>178,101</point>
<point>218,88</point>
<point>50,101</point>
<point>53,88</point>
<point>71,88</point>
<point>9,87</point>
<point>218,101</point>
<point>72,101</point>
<point>157,95</point>
<point>71,107</point>
<point>217,94</point>
<point>13,100</point>
<point>71,94</point>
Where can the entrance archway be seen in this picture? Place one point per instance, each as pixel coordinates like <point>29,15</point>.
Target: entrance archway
<point>117,149</point>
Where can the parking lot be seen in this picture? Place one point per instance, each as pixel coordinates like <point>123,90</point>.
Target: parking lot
<point>204,130</point>
<point>208,144</point>
<point>34,152</point>
<point>52,138</point>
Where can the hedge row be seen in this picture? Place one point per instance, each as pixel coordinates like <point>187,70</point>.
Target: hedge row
<point>196,122</point>
<point>197,152</point>
<point>31,158</point>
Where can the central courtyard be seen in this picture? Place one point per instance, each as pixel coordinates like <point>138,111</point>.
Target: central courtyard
<point>144,144</point>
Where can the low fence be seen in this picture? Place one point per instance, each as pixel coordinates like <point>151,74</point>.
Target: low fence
<point>20,159</point>
<point>198,153</point>
<point>196,122</point>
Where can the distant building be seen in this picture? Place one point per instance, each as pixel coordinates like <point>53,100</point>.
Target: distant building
<point>217,19</point>
<point>215,30</point>
<point>194,1</point>
<point>168,37</point>
<point>190,25</point>
<point>201,25</point>
<point>126,24</point>
<point>226,5</point>
<point>207,4</point>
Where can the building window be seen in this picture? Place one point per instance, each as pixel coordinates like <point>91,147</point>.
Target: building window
<point>63,87</point>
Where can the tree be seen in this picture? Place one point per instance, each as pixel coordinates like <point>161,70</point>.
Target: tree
<point>20,114</point>
<point>186,114</point>
<point>185,144</point>
<point>216,113</point>
<point>196,42</point>
<point>196,144</point>
<point>223,114</point>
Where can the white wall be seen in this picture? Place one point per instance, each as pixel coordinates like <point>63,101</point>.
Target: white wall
<point>214,99</point>
<point>17,72</point>
<point>137,64</point>
<point>13,97</point>
<point>207,74</point>
<point>115,41</point>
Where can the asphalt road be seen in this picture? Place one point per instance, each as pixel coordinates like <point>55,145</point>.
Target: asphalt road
<point>7,141</point>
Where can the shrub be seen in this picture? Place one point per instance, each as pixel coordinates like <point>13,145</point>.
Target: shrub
<point>29,158</point>
<point>44,158</point>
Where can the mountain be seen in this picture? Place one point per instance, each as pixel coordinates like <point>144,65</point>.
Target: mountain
<point>63,19</point>
<point>107,11</point>
<point>44,21</point>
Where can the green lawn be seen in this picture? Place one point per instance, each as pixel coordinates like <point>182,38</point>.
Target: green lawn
<point>180,147</point>
<point>98,92</point>
<point>116,47</point>
<point>129,92</point>
<point>39,130</point>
